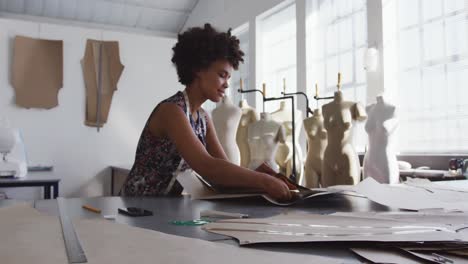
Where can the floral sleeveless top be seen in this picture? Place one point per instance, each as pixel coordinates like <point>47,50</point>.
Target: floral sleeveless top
<point>157,159</point>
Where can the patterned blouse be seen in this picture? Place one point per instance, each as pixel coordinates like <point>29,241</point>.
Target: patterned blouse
<point>157,159</point>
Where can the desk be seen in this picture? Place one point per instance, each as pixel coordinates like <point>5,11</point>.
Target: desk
<point>28,181</point>
<point>167,209</point>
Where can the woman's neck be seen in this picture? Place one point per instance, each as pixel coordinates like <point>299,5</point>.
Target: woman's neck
<point>196,99</point>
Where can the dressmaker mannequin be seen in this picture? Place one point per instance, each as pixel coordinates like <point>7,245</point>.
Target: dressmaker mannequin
<point>340,161</point>
<point>380,161</point>
<point>264,137</point>
<point>316,142</point>
<point>249,115</point>
<point>226,117</point>
<point>284,153</point>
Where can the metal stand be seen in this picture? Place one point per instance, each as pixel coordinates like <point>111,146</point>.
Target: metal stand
<point>252,91</point>
<point>322,98</point>
<point>293,175</point>
<point>308,110</point>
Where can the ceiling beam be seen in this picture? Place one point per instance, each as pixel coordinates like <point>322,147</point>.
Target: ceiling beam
<point>152,7</point>
<point>97,26</point>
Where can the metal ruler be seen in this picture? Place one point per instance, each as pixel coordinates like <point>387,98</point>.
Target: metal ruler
<point>75,252</point>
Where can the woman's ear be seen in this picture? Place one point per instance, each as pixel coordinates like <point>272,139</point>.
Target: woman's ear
<point>196,75</point>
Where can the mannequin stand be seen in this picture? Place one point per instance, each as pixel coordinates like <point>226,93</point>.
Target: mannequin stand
<point>293,175</point>
<point>308,110</point>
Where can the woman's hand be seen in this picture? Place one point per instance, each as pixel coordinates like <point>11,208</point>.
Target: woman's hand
<point>276,188</point>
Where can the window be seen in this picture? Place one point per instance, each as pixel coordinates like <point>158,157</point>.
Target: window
<point>336,42</point>
<point>278,47</point>
<point>243,72</point>
<point>426,61</point>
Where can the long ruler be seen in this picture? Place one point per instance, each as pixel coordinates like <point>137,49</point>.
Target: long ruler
<point>75,252</point>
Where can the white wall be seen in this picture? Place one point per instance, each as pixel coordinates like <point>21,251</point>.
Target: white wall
<point>80,155</point>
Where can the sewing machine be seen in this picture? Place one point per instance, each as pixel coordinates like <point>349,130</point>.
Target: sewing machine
<point>9,167</point>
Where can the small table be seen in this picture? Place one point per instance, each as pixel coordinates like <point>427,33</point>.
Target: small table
<point>47,183</point>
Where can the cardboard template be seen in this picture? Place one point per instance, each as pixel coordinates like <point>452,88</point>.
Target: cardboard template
<point>330,228</point>
<point>415,197</point>
<point>101,71</point>
<point>37,238</point>
<point>37,72</point>
<point>387,256</point>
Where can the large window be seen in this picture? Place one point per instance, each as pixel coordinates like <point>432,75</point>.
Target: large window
<point>243,72</point>
<point>336,42</point>
<point>426,61</point>
<point>278,48</point>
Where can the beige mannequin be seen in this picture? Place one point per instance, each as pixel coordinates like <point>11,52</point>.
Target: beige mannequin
<point>340,161</point>
<point>316,142</point>
<point>226,117</point>
<point>249,115</point>
<point>284,153</point>
<point>264,137</point>
<point>380,161</point>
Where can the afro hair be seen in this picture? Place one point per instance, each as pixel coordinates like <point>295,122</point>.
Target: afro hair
<point>197,48</point>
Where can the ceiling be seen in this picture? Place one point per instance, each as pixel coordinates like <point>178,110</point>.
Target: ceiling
<point>159,16</point>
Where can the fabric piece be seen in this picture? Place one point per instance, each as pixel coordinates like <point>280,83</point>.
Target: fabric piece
<point>37,72</point>
<point>37,238</point>
<point>101,70</point>
<point>157,159</point>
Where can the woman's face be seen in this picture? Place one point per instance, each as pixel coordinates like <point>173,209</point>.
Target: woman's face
<point>214,80</point>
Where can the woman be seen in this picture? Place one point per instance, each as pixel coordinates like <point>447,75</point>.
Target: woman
<point>180,135</point>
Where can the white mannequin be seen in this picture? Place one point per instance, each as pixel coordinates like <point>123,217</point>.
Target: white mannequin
<point>284,153</point>
<point>380,161</point>
<point>340,160</point>
<point>249,115</point>
<point>316,142</point>
<point>264,137</point>
<point>226,117</point>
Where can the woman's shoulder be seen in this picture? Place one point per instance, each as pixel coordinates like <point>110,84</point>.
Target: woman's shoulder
<point>177,98</point>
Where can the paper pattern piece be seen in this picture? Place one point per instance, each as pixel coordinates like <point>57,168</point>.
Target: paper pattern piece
<point>37,238</point>
<point>387,256</point>
<point>30,237</point>
<point>413,197</point>
<point>101,70</point>
<point>37,72</point>
<point>193,185</point>
<point>331,228</point>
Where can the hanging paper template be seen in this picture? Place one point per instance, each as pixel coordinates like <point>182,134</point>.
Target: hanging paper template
<point>37,72</point>
<point>101,70</point>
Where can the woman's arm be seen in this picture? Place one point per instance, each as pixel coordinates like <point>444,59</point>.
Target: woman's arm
<point>172,122</point>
